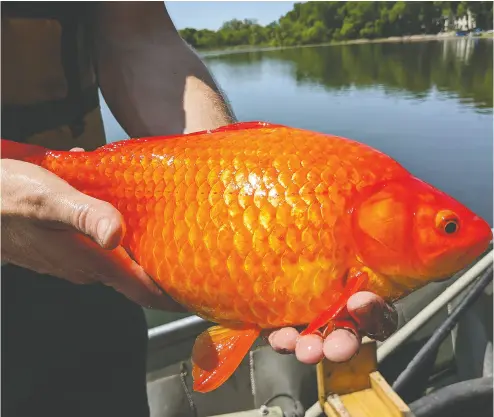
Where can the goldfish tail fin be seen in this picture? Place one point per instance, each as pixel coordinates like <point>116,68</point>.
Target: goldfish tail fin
<point>20,151</point>
<point>217,353</point>
<point>355,283</point>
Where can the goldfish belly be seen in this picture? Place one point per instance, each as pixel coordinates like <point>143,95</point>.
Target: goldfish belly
<point>221,284</point>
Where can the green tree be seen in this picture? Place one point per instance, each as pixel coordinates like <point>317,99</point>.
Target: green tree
<point>324,21</point>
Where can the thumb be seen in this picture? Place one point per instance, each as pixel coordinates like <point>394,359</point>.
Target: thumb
<point>95,218</point>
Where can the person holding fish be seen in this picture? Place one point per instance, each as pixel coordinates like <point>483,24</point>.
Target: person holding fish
<point>73,330</point>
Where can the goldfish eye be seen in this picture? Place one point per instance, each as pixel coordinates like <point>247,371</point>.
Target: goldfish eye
<point>447,222</point>
<point>451,227</point>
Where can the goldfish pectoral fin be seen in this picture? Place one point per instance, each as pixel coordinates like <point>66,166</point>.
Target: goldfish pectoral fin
<point>340,322</point>
<point>355,283</point>
<point>217,353</point>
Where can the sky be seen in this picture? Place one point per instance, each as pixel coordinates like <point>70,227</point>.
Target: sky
<point>212,14</point>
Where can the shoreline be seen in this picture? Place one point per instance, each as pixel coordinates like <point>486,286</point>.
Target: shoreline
<point>393,39</point>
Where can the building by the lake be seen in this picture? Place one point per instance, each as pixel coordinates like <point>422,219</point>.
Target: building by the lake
<point>465,22</point>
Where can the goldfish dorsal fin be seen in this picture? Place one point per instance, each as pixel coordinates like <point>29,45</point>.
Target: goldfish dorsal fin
<point>113,146</point>
<point>217,353</point>
<point>246,125</point>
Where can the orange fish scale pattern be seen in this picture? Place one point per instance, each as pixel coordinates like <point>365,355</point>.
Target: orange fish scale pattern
<point>239,226</point>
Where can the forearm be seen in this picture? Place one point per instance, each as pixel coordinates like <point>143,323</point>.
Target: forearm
<point>152,81</point>
<point>205,106</point>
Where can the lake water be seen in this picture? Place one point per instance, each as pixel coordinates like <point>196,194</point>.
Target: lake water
<point>428,104</point>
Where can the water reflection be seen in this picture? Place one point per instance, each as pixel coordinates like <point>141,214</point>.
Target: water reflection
<point>459,68</point>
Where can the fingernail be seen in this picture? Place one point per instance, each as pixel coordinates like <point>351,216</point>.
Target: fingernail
<point>102,229</point>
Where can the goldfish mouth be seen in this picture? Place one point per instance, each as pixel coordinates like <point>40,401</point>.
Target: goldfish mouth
<point>476,251</point>
<point>464,260</point>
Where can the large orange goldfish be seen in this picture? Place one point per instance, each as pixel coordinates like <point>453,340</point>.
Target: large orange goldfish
<point>256,226</point>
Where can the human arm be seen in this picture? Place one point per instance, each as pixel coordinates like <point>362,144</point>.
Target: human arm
<point>153,82</point>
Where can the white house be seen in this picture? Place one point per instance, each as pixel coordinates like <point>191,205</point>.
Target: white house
<point>465,22</point>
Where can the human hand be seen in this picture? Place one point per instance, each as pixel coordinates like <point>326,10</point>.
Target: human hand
<point>368,315</point>
<point>50,227</point>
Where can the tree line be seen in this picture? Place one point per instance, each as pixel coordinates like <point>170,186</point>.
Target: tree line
<point>316,22</point>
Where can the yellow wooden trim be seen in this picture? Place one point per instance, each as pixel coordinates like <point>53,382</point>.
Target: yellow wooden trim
<point>388,396</point>
<point>357,389</point>
<point>337,407</point>
<point>343,378</point>
<point>322,394</point>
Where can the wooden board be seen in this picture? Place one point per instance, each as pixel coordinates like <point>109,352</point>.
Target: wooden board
<point>357,389</point>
